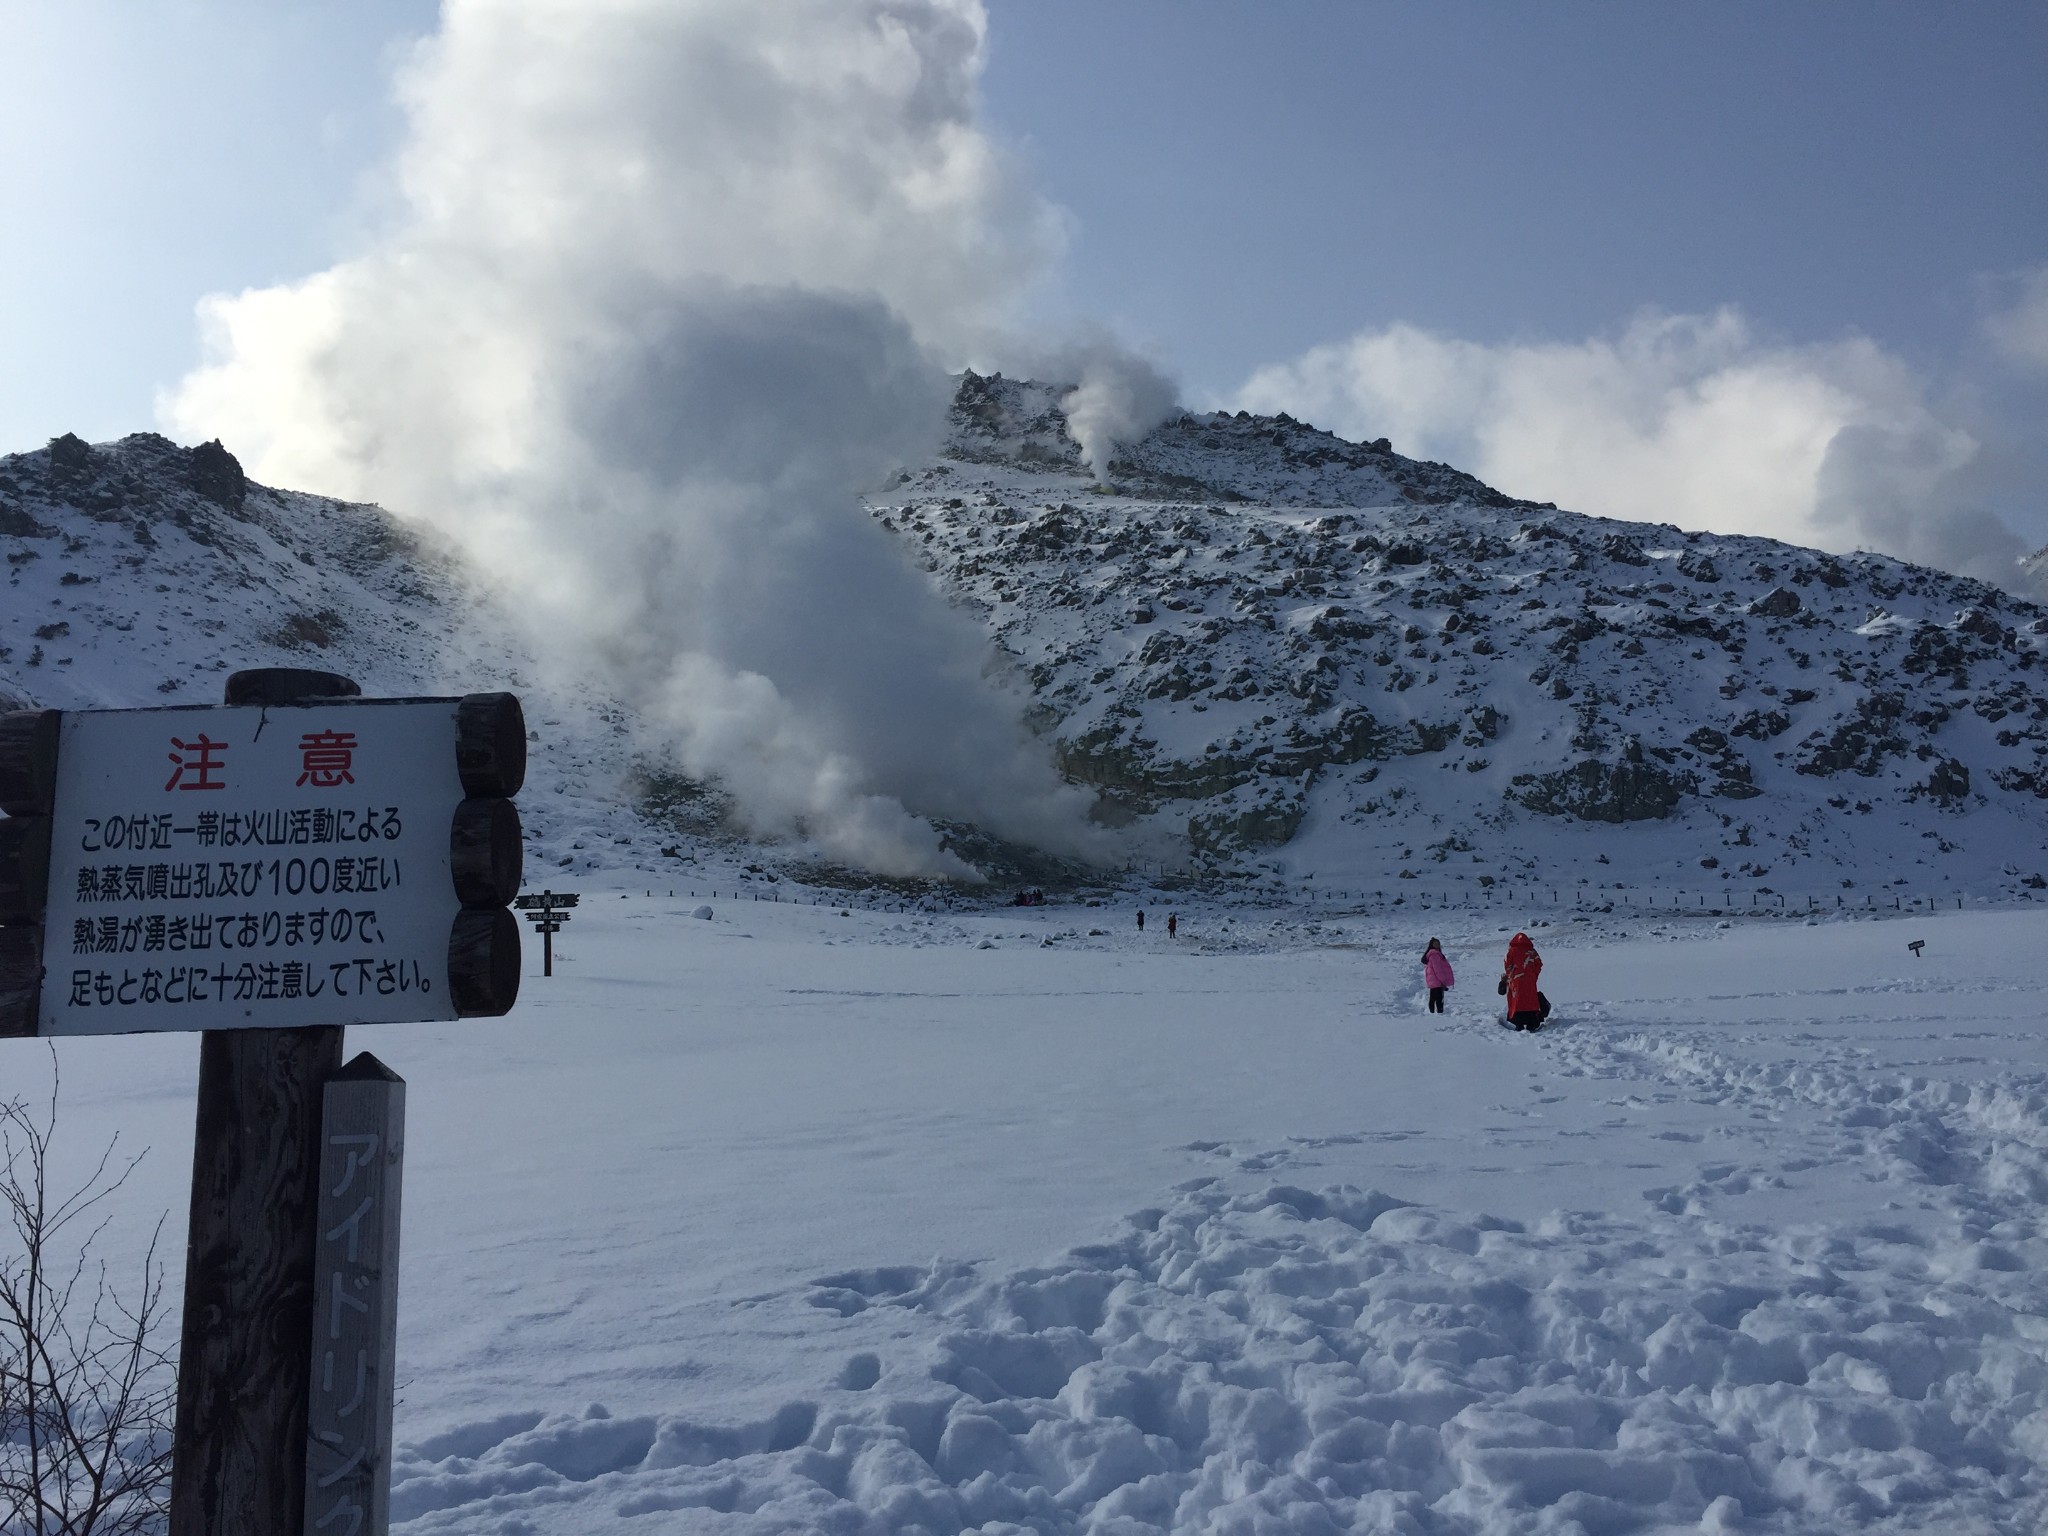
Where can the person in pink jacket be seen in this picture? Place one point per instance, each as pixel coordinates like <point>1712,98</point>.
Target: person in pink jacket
<point>1436,973</point>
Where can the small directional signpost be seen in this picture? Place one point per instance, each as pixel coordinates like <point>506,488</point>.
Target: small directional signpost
<point>547,911</point>
<point>267,872</point>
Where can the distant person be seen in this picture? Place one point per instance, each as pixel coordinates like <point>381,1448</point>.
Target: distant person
<point>1172,924</point>
<point>1436,975</point>
<point>1141,919</point>
<point>1527,1007</point>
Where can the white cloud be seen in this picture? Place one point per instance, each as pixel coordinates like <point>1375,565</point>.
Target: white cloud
<point>670,284</point>
<point>1687,419</point>
<point>2019,329</point>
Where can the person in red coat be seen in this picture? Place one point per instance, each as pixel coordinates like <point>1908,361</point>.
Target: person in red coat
<point>1527,1007</point>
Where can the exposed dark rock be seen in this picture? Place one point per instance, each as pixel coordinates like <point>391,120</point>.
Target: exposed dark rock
<point>1698,567</point>
<point>318,630</point>
<point>1948,785</point>
<point>71,456</point>
<point>1985,626</point>
<point>1762,724</point>
<point>1271,819</point>
<point>1623,550</point>
<point>1778,603</point>
<point>1859,744</point>
<point>2023,781</point>
<point>1934,649</point>
<point>1733,777</point>
<point>20,525</point>
<point>1593,790</point>
<point>217,475</point>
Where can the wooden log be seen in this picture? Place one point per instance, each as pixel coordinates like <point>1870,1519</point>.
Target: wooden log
<point>355,1313</point>
<point>21,978</point>
<point>24,868</point>
<point>239,1467</point>
<point>486,853</point>
<point>483,962</point>
<point>287,685</point>
<point>490,744</point>
<point>28,761</point>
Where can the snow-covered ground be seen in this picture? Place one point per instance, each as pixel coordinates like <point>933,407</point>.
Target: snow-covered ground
<point>792,1220</point>
<point>835,1218</point>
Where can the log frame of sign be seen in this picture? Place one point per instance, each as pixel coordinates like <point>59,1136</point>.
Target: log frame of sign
<point>28,793</point>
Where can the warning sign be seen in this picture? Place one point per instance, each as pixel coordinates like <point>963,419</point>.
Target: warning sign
<point>271,867</point>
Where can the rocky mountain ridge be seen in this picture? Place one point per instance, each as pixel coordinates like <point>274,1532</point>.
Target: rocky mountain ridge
<point>1272,652</point>
<point>1321,656</point>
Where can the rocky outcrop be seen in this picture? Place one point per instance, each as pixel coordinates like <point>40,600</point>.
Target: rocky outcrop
<point>217,475</point>
<point>1632,789</point>
<point>1778,603</point>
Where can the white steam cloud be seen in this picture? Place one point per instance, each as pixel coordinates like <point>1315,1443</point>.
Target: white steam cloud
<point>1686,419</point>
<point>670,285</point>
<point>1120,398</point>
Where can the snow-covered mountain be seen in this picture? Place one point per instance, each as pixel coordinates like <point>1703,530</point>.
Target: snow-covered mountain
<point>1347,663</point>
<point>140,573</point>
<point>1273,651</point>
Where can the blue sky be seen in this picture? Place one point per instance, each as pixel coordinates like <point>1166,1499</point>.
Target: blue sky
<point>1250,180</point>
<point>1495,191</point>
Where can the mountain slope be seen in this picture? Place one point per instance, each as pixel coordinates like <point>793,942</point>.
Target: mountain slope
<point>1274,652</point>
<point>140,573</point>
<point>1351,663</point>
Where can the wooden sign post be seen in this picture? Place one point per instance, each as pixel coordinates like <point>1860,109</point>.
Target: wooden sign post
<point>547,911</point>
<point>267,872</point>
<point>355,1301</point>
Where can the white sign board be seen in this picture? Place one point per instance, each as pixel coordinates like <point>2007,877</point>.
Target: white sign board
<point>251,866</point>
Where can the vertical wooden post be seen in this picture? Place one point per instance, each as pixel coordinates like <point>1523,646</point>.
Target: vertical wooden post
<point>238,1465</point>
<point>28,788</point>
<point>355,1302</point>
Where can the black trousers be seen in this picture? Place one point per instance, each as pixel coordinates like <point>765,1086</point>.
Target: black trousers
<point>1436,999</point>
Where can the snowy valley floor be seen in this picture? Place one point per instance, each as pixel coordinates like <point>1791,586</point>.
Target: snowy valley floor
<point>793,1221</point>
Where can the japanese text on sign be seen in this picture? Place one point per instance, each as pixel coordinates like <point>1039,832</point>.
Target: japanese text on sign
<point>290,859</point>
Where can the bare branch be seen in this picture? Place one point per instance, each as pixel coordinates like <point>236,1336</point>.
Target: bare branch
<point>87,1391</point>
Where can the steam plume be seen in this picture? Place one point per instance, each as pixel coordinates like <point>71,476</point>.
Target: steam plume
<point>670,286</point>
<point>1120,398</point>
